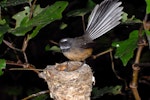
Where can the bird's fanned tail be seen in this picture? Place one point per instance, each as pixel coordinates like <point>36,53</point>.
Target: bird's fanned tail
<point>103,18</point>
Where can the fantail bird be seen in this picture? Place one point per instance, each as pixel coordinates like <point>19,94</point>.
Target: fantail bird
<point>102,19</point>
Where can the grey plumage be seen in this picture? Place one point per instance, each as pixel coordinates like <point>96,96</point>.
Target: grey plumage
<point>103,18</point>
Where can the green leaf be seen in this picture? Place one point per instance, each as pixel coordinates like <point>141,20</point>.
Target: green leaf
<point>21,15</point>
<point>2,65</point>
<point>2,21</point>
<point>148,6</point>
<point>106,90</point>
<point>125,19</point>
<point>1,39</point>
<point>21,31</point>
<point>50,14</point>
<point>90,4</point>
<point>63,26</point>
<point>35,32</point>
<point>46,16</point>
<point>125,49</point>
<point>37,10</point>
<point>3,30</point>
<point>53,48</point>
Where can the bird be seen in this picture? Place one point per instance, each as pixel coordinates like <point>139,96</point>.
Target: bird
<point>104,17</point>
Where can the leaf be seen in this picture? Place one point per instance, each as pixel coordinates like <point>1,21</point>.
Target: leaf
<point>90,4</point>
<point>21,31</point>
<point>2,21</point>
<point>2,65</point>
<point>46,16</point>
<point>52,13</point>
<point>35,32</point>
<point>3,30</point>
<point>63,26</point>
<point>148,6</point>
<point>125,19</point>
<point>21,15</point>
<point>125,49</point>
<point>37,10</point>
<point>53,48</point>
<point>1,39</point>
<point>106,90</point>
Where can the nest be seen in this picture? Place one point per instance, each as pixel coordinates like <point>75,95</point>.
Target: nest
<point>69,80</point>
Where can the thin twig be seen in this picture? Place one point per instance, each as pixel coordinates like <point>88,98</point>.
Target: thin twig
<point>11,46</point>
<point>36,94</point>
<point>51,41</point>
<point>24,47</point>
<point>15,64</point>
<point>113,69</point>
<point>25,57</point>
<point>25,66</point>
<point>32,9</point>
<point>83,23</point>
<point>146,23</point>
<point>26,69</point>
<point>102,53</point>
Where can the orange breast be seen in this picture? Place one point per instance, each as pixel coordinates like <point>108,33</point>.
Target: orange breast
<point>78,55</point>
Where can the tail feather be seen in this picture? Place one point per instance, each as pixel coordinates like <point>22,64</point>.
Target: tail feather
<point>103,18</point>
<point>107,25</point>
